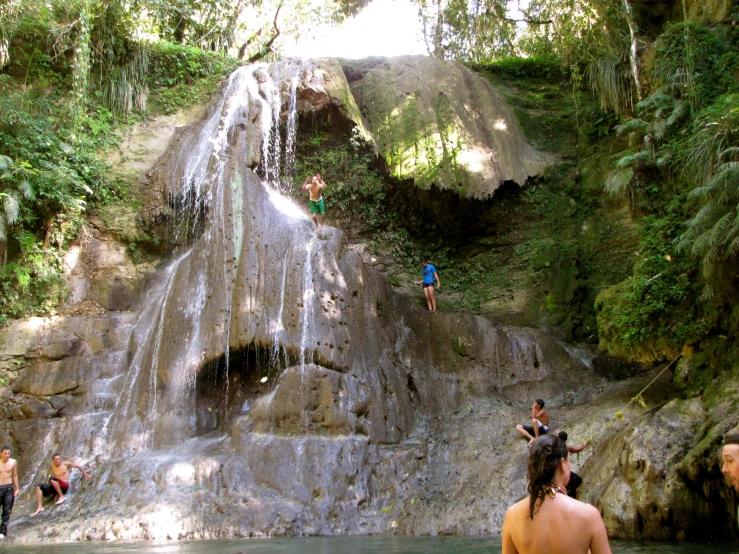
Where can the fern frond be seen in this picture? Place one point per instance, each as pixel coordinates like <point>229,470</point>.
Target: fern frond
<point>680,111</point>
<point>629,159</point>
<point>632,125</point>
<point>664,160</point>
<point>5,163</point>
<point>729,152</point>
<point>27,190</point>
<point>11,207</point>
<point>617,181</point>
<point>660,129</point>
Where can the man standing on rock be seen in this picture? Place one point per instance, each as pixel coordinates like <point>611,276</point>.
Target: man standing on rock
<point>9,488</point>
<point>429,276</point>
<point>59,482</point>
<point>314,185</point>
<point>539,422</point>
<point>730,458</point>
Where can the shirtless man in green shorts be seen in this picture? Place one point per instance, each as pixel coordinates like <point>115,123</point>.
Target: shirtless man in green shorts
<point>314,185</point>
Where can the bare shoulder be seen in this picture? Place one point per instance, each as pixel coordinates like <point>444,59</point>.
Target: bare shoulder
<point>585,511</point>
<point>519,508</point>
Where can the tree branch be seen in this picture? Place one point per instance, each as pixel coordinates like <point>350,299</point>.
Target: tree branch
<point>267,47</point>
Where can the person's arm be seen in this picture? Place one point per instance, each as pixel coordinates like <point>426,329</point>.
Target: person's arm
<point>578,448</point>
<point>82,469</point>
<point>438,282</point>
<point>321,182</point>
<point>508,546</point>
<point>305,183</point>
<point>599,540</point>
<point>17,489</point>
<point>535,417</point>
<point>418,282</point>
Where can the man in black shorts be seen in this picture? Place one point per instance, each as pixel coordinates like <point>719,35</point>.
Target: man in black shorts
<point>539,422</point>
<point>58,482</point>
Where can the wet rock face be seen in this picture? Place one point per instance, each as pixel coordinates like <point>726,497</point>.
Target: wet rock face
<point>641,484</point>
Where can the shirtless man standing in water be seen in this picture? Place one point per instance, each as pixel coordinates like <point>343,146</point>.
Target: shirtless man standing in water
<point>549,520</point>
<point>314,185</point>
<point>9,488</point>
<point>59,482</point>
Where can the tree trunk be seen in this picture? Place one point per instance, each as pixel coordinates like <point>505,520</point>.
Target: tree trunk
<point>4,52</point>
<point>634,50</point>
<point>438,32</point>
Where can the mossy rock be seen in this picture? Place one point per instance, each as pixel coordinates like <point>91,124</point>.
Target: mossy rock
<point>440,124</point>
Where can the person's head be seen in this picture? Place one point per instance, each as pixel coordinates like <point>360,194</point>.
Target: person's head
<point>314,180</point>
<point>562,435</point>
<point>424,263</point>
<point>5,453</point>
<point>56,459</point>
<point>730,458</point>
<point>540,403</point>
<point>547,464</point>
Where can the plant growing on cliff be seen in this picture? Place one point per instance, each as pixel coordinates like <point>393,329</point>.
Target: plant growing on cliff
<point>712,159</point>
<point>14,190</point>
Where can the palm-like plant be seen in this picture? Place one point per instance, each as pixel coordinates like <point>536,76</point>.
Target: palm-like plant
<point>13,189</point>
<point>658,115</point>
<point>713,161</point>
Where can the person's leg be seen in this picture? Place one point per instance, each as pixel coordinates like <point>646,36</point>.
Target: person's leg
<point>323,221</point>
<point>432,299</point>
<point>427,294</point>
<point>7,500</point>
<point>315,220</point>
<point>39,501</point>
<point>59,493</point>
<point>522,429</point>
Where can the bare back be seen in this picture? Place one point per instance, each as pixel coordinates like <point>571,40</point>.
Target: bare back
<point>561,525</point>
<point>6,471</point>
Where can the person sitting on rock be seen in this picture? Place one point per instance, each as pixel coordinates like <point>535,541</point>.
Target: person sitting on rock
<point>730,458</point>
<point>314,185</point>
<point>549,520</point>
<point>429,277</point>
<point>59,482</point>
<point>575,479</point>
<point>539,422</point>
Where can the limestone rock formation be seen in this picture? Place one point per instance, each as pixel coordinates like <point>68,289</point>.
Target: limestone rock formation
<point>438,123</point>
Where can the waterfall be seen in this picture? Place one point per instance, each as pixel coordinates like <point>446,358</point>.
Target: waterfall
<point>171,339</point>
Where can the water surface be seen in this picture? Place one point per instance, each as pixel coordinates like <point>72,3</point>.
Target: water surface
<point>346,545</point>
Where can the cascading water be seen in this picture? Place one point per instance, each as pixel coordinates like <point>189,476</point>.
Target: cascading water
<point>210,272</point>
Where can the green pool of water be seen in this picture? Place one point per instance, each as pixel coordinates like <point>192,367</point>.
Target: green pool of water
<point>346,545</point>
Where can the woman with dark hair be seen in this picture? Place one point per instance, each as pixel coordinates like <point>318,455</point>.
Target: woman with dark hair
<point>549,520</point>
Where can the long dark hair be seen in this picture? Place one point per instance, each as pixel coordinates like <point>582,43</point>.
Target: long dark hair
<point>546,453</point>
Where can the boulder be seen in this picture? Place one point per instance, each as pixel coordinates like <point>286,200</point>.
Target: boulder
<point>440,124</point>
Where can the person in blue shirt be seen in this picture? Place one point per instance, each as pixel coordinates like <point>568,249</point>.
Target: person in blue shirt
<point>429,276</point>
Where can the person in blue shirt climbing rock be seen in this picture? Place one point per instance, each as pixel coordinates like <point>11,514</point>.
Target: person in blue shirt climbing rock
<point>429,276</point>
